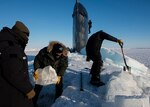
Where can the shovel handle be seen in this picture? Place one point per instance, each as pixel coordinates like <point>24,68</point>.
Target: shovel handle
<point>126,66</point>
<point>121,45</point>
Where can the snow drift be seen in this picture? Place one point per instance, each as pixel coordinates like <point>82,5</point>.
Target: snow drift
<point>121,90</point>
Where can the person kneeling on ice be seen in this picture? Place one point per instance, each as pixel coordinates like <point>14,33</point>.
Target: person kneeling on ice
<point>54,55</point>
<point>93,53</point>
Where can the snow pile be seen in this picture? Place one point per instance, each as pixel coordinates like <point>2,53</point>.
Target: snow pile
<point>132,101</point>
<point>121,90</point>
<point>122,83</point>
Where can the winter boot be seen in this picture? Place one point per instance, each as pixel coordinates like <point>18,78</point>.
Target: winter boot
<point>95,80</point>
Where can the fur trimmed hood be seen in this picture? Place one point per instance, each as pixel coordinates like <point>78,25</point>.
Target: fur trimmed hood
<point>52,43</point>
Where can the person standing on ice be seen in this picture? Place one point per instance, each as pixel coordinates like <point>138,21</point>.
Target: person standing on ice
<point>16,89</point>
<point>55,54</point>
<point>89,26</point>
<point>93,53</point>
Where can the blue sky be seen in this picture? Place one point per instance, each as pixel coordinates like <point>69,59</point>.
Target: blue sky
<point>49,20</point>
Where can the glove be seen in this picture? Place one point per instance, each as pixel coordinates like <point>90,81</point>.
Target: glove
<point>120,42</point>
<point>30,94</point>
<point>36,75</point>
<point>59,79</point>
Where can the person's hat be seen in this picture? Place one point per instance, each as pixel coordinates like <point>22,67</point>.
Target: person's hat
<point>22,27</point>
<point>57,48</point>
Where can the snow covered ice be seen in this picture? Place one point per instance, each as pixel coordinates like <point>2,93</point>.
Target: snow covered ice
<point>121,90</point>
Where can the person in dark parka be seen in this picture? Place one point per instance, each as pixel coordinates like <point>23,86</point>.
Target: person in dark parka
<point>93,52</point>
<point>15,87</point>
<point>55,54</point>
<point>89,26</point>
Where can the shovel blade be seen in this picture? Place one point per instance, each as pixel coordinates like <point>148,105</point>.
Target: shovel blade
<point>127,68</point>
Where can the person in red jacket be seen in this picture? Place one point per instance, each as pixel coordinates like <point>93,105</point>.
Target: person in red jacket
<point>15,87</point>
<point>93,52</point>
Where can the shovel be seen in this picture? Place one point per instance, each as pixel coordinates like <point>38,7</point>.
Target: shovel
<point>126,67</point>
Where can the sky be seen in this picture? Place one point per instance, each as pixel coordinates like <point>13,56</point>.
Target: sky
<point>50,20</point>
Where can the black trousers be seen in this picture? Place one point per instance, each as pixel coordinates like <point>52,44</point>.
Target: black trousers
<point>97,63</point>
<point>38,88</point>
<point>96,67</point>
